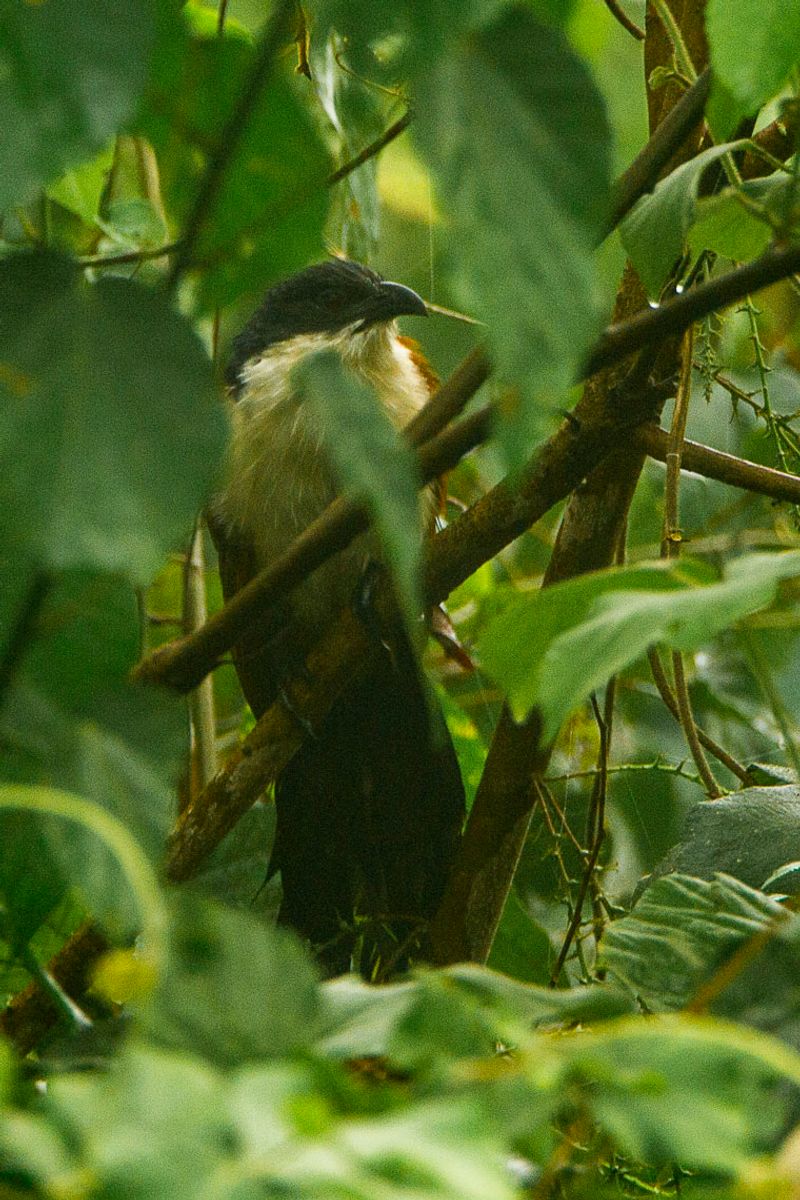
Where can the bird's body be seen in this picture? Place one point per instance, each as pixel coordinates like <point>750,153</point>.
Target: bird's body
<point>369,810</point>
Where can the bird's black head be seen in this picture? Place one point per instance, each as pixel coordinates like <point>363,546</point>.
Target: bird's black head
<point>325,298</point>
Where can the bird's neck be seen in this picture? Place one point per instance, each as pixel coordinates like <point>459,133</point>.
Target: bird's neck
<point>376,356</point>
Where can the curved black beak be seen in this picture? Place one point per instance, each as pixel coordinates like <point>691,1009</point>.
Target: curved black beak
<point>398,300</point>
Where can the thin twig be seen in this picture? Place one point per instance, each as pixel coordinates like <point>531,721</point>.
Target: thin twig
<point>656,324</point>
<point>201,700</point>
<point>126,256</point>
<point>65,1006</point>
<point>595,828</point>
<point>625,21</point>
<point>23,628</point>
<point>668,696</point>
<point>690,728</point>
<point>370,151</point>
<point>671,548</point>
<point>275,30</point>
<point>672,29</point>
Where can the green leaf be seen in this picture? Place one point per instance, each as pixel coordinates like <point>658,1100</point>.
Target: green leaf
<point>405,37</point>
<point>681,932</point>
<point>372,465</point>
<point>109,423</point>
<point>521,947</point>
<point>360,1020</point>
<point>748,835</point>
<point>756,72</point>
<point>80,189</point>
<point>268,216</point>
<point>235,990</point>
<point>654,232</point>
<point>553,648</point>
<point>29,1143</point>
<point>515,133</point>
<point>722,223</point>
<point>132,899</point>
<point>72,720</point>
<point>154,1127</point>
<point>68,79</point>
<point>694,1091</point>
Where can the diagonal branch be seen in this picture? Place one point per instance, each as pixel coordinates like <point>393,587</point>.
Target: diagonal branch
<point>645,169</point>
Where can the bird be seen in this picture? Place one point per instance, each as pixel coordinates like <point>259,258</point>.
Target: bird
<point>370,809</point>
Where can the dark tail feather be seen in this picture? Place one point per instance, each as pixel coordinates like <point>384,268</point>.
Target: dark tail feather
<point>369,817</point>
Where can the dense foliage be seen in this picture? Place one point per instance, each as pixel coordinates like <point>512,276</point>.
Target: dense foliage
<point>635,1031</point>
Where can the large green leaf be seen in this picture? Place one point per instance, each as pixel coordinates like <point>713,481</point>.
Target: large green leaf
<point>749,835</point>
<point>723,224</point>
<point>72,720</point>
<point>268,216</point>
<point>654,232</point>
<point>235,990</point>
<point>110,428</point>
<point>69,77</point>
<point>697,1092</point>
<point>154,1127</point>
<point>515,134</point>
<point>553,648</point>
<point>372,464</point>
<point>682,930</point>
<point>362,1020</point>
<point>133,902</point>
<point>754,69</point>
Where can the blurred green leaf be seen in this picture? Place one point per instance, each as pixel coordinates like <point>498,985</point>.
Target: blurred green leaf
<point>68,80</point>
<point>235,990</point>
<point>80,189</point>
<point>118,882</point>
<point>152,1128</point>
<point>109,423</point>
<point>360,1020</point>
<point>524,180</point>
<point>268,216</point>
<point>753,72</point>
<point>372,465</point>
<point>553,648</point>
<point>404,37</point>
<point>689,1090</point>
<point>654,232</point>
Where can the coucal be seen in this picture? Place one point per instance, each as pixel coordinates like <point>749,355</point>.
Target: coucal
<point>369,810</point>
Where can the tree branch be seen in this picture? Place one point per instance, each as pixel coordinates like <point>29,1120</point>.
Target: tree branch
<point>642,174</point>
<point>714,464</point>
<point>677,315</point>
